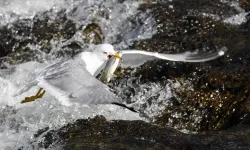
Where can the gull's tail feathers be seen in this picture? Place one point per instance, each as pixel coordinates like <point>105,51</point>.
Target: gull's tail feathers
<point>25,88</point>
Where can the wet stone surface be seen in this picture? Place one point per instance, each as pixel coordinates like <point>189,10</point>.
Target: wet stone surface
<point>98,133</point>
<point>217,96</point>
<point>220,91</point>
<point>27,40</point>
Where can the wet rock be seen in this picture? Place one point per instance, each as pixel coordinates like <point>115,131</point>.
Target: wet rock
<point>233,138</point>
<point>59,27</point>
<point>26,39</point>
<point>98,133</point>
<point>6,41</point>
<point>245,4</point>
<point>184,26</point>
<point>220,94</point>
<point>92,34</point>
<point>218,100</point>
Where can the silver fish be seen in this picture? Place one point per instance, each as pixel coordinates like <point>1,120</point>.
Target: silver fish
<point>109,69</point>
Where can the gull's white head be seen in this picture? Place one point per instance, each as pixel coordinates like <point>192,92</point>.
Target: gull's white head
<point>105,51</point>
<point>97,58</point>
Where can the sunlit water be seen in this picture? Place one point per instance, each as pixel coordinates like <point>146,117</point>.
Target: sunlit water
<point>19,123</point>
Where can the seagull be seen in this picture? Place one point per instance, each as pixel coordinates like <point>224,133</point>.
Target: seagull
<point>74,81</point>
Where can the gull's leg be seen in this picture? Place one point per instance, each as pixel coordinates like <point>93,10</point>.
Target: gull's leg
<point>38,95</point>
<point>41,94</point>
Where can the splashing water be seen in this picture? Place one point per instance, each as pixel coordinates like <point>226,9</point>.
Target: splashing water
<point>120,25</point>
<point>11,10</point>
<point>19,123</point>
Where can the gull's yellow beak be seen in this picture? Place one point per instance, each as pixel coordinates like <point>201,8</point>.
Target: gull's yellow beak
<point>117,55</point>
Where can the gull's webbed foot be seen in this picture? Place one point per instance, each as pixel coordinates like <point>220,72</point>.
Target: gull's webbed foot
<point>38,95</point>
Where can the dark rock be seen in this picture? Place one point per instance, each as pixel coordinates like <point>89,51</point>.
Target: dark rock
<point>97,133</point>
<point>183,27</point>
<point>92,34</point>
<point>220,96</point>
<point>220,99</point>
<point>6,41</point>
<point>233,138</point>
<point>221,91</point>
<point>17,39</point>
<point>245,4</point>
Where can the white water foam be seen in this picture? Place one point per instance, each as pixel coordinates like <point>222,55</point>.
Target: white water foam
<point>240,17</point>
<point>11,10</point>
<point>119,21</point>
<point>237,19</point>
<point>19,122</point>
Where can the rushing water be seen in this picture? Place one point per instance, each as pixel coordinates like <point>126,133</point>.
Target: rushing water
<point>19,123</point>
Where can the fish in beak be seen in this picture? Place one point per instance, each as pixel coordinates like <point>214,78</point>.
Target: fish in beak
<point>109,69</point>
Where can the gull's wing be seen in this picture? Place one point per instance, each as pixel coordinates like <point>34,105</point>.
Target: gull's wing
<point>70,82</point>
<point>184,57</point>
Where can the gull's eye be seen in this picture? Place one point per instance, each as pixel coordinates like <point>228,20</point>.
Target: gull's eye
<point>104,52</point>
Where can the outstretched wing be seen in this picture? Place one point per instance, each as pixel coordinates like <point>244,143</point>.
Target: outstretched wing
<point>184,57</point>
<point>70,83</point>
